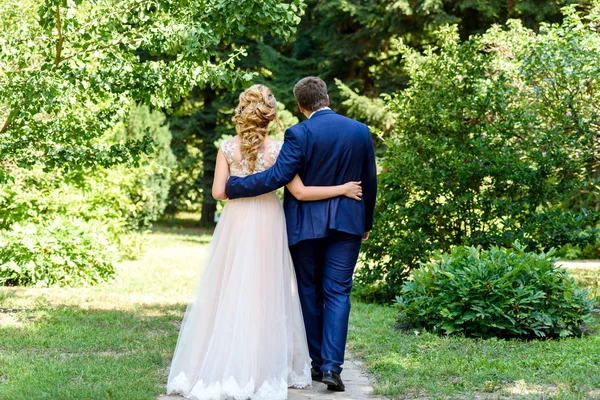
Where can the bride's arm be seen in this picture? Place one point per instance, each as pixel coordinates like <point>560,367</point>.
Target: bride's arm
<point>352,190</point>
<point>221,175</point>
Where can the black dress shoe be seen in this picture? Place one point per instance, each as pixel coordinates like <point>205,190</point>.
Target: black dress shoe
<point>334,382</point>
<point>316,375</point>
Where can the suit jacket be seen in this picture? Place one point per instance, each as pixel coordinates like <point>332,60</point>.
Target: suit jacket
<point>326,150</point>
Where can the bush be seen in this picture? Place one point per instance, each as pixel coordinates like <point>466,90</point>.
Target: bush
<point>64,252</point>
<point>35,197</point>
<point>570,252</point>
<point>506,293</point>
<point>146,187</point>
<point>104,206</point>
<point>493,135</point>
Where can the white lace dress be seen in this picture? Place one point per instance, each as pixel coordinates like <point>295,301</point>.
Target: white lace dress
<point>243,337</point>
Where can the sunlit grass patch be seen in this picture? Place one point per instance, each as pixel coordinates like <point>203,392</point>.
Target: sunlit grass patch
<point>423,365</point>
<point>114,340</point>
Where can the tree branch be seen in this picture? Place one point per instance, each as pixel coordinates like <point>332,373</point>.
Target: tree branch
<point>5,125</point>
<point>9,119</point>
<point>61,38</point>
<point>98,48</point>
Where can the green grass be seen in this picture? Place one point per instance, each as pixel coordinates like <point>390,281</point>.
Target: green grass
<point>411,365</point>
<point>115,341</point>
<point>588,277</point>
<point>112,341</point>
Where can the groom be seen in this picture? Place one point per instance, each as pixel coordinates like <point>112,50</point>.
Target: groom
<point>324,236</point>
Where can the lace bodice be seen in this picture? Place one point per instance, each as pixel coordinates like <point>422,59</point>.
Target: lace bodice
<point>238,166</point>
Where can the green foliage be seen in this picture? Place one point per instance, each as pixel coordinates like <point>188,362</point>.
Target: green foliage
<point>136,195</point>
<point>110,204</point>
<point>70,69</point>
<point>373,112</point>
<point>345,40</point>
<point>500,292</point>
<point>70,144</point>
<point>492,135</point>
<point>147,187</point>
<point>63,251</point>
<point>351,40</point>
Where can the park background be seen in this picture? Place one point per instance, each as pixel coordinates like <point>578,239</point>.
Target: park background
<point>485,120</point>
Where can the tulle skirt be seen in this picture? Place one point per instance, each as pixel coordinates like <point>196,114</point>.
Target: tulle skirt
<point>243,337</point>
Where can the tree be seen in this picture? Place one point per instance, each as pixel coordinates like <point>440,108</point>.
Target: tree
<point>70,68</point>
<point>351,41</point>
<point>198,123</point>
<point>348,43</point>
<point>492,135</point>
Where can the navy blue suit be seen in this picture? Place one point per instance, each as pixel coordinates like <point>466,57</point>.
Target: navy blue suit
<point>324,236</point>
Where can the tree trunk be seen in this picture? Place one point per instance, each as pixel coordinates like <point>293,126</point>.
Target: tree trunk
<point>208,214</point>
<point>209,157</point>
<point>209,205</point>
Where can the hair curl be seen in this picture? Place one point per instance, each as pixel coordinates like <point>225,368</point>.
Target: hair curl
<point>256,109</point>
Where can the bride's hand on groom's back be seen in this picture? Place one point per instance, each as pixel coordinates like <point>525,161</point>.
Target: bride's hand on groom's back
<point>353,190</point>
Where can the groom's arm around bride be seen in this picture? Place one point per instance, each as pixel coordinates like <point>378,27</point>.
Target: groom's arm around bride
<point>326,149</point>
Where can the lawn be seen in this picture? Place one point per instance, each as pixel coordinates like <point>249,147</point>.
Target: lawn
<point>409,365</point>
<point>112,341</point>
<point>115,341</point>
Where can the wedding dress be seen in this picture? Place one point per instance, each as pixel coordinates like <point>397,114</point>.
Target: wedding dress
<point>243,337</point>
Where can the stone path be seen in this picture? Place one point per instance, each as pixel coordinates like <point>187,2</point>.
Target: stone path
<point>358,387</point>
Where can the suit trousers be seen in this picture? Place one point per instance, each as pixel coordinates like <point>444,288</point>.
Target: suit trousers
<point>324,269</point>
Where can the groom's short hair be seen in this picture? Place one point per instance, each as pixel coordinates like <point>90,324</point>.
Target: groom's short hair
<point>311,93</point>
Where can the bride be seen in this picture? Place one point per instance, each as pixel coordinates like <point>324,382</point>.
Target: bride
<point>243,337</point>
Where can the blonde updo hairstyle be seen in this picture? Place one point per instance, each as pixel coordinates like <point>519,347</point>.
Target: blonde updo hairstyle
<point>257,108</point>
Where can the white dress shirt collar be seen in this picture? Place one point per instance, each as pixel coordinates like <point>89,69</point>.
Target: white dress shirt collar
<point>320,109</point>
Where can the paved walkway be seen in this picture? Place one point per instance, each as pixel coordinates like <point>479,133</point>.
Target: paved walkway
<point>358,387</point>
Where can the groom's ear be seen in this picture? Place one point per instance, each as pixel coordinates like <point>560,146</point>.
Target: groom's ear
<point>327,101</point>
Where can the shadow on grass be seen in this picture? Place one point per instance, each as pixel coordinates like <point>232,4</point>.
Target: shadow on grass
<point>184,226</point>
<point>70,352</point>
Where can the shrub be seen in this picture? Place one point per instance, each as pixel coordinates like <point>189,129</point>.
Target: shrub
<point>146,187</point>
<point>493,135</point>
<point>36,196</point>
<point>111,203</point>
<point>64,252</point>
<point>507,293</point>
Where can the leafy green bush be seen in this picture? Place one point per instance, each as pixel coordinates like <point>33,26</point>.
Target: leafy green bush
<point>112,203</point>
<point>493,135</point>
<point>146,187</point>
<point>65,252</point>
<point>36,197</point>
<point>587,252</point>
<point>498,292</point>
